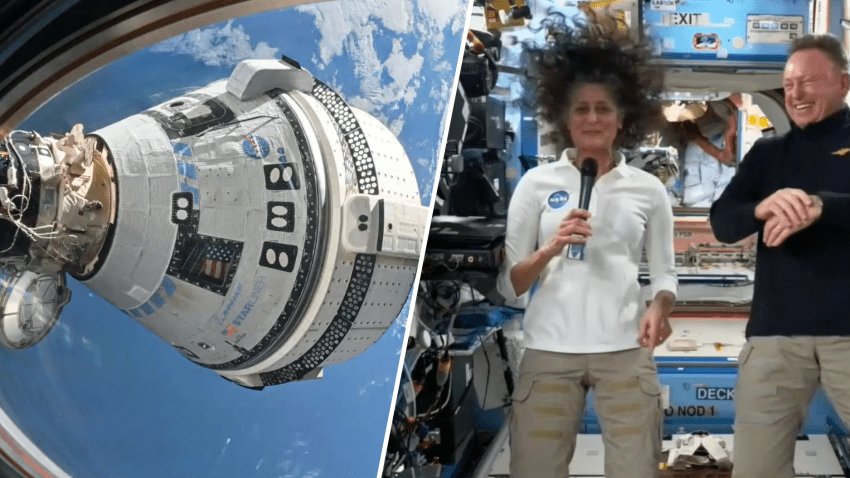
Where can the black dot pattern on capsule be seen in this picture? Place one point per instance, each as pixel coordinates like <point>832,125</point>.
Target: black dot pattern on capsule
<point>364,164</point>
<point>355,294</point>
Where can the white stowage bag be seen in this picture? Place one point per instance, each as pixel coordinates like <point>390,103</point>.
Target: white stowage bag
<point>688,446</point>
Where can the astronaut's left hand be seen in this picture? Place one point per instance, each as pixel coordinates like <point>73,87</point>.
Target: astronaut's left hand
<point>654,325</point>
<point>778,227</point>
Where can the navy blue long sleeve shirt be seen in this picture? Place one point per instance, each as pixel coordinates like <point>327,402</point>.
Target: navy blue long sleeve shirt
<point>803,286</point>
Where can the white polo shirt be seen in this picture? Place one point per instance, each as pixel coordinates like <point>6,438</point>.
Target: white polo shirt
<point>590,306</point>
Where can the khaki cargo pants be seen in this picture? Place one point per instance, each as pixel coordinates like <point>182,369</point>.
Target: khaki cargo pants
<point>550,399</point>
<point>777,379</point>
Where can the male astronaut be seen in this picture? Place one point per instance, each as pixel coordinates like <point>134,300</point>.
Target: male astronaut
<point>795,191</point>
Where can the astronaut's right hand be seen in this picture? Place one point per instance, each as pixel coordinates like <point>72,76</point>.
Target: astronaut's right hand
<point>574,229</point>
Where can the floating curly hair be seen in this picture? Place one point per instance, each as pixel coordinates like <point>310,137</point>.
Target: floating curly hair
<point>595,52</point>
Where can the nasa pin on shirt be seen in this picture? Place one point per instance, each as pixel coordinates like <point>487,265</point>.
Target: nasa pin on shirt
<point>558,199</point>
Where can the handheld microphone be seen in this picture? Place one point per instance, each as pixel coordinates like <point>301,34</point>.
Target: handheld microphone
<point>589,168</point>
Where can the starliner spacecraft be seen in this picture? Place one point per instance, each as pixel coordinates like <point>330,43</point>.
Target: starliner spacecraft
<point>260,225</point>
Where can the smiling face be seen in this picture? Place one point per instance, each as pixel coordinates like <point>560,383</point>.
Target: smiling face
<point>593,118</point>
<point>814,87</point>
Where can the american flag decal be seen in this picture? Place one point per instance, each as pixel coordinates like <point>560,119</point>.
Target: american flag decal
<point>205,261</point>
<point>214,269</point>
<point>230,330</point>
<point>216,258</point>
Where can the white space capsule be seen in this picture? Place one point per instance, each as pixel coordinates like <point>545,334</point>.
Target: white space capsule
<point>259,225</point>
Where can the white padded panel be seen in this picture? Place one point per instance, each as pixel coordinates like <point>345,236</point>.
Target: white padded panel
<point>160,232</point>
<point>133,193</point>
<point>134,223</point>
<point>144,157</point>
<point>161,189</point>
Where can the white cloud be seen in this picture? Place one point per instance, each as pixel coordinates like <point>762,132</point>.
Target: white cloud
<point>436,16</point>
<point>442,12</point>
<point>396,15</point>
<point>425,187</point>
<point>441,91</point>
<point>364,387</point>
<point>319,65</point>
<point>405,72</point>
<point>296,473</point>
<point>335,84</point>
<point>336,22</point>
<point>396,126</point>
<point>443,66</point>
<point>399,326</point>
<point>401,68</point>
<point>361,103</point>
<point>293,470</point>
<point>459,20</point>
<point>352,31</point>
<point>217,46</point>
<point>446,117</point>
<point>367,66</point>
<point>437,51</point>
<point>410,92</point>
<point>373,384</point>
<point>441,94</point>
<point>382,117</point>
<point>331,22</point>
<point>369,70</point>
